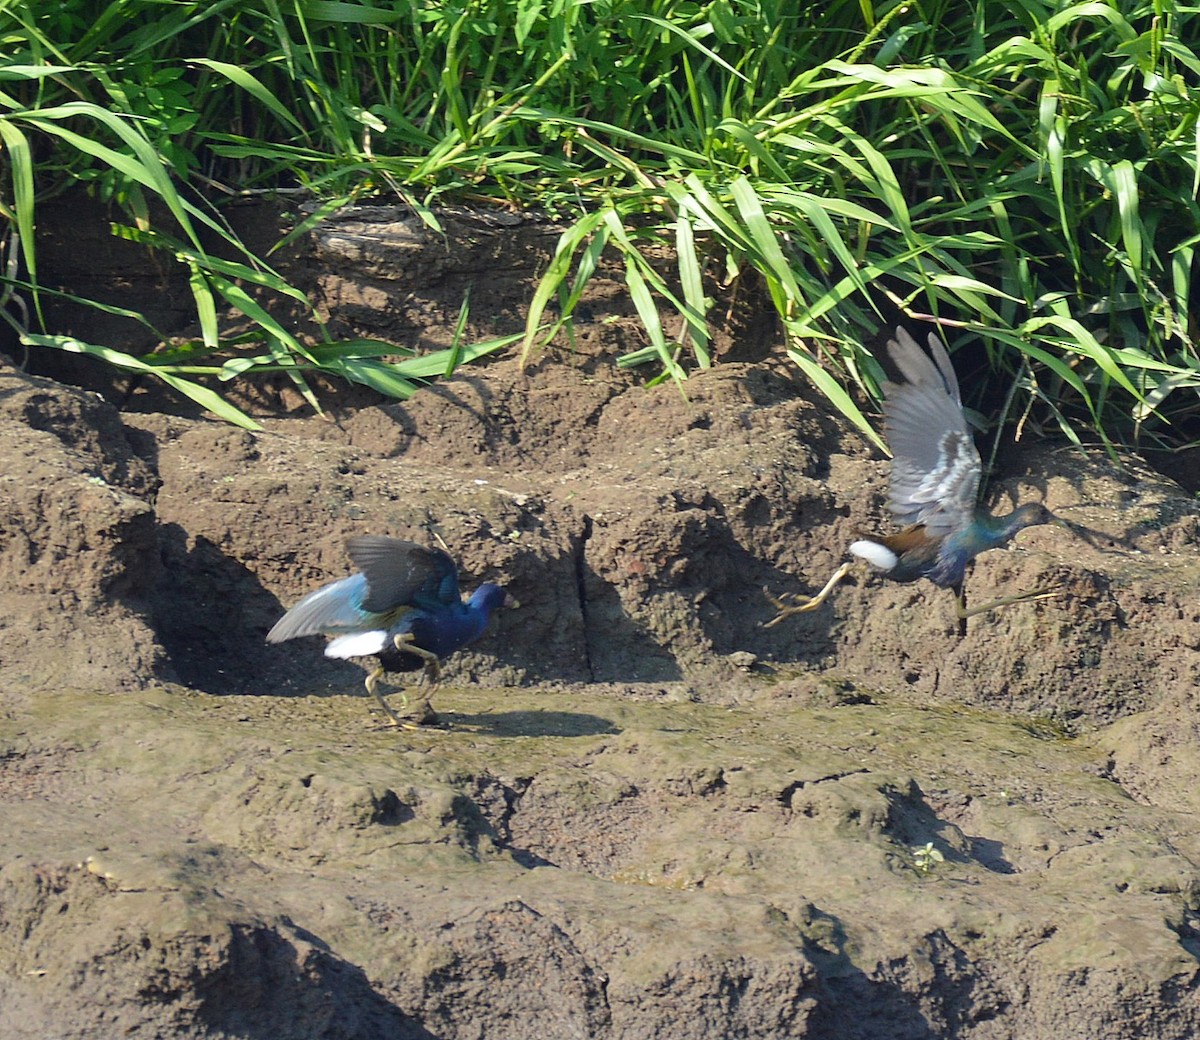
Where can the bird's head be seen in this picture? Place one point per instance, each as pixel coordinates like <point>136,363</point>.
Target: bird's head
<point>1031,514</point>
<point>489,597</point>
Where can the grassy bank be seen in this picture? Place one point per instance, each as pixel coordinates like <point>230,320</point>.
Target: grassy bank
<point>1025,172</point>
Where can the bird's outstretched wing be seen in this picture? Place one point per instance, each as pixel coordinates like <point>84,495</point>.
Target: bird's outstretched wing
<point>935,465</point>
<point>399,572</point>
<point>336,607</point>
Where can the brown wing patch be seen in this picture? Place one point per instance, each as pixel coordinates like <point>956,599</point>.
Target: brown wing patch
<point>911,539</point>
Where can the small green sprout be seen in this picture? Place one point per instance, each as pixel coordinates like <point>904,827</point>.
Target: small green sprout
<point>926,858</point>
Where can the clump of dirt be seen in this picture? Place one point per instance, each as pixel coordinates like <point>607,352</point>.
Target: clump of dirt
<point>649,814</point>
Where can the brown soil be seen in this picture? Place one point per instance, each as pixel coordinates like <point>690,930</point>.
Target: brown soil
<point>648,815</point>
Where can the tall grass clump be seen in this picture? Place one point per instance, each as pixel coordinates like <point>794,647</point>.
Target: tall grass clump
<point>125,103</point>
<point>1023,173</point>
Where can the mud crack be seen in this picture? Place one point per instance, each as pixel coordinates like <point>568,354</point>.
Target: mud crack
<point>581,592</point>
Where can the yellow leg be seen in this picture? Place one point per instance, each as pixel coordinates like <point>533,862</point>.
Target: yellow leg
<point>962,613</point>
<point>430,675</point>
<point>786,609</point>
<point>373,689</point>
<point>433,666</point>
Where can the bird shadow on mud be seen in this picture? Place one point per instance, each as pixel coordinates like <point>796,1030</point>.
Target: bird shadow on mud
<point>530,723</point>
<point>211,614</point>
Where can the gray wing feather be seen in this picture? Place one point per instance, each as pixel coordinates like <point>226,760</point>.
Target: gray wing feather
<point>399,571</point>
<point>935,468</point>
<point>920,368</point>
<point>331,608</point>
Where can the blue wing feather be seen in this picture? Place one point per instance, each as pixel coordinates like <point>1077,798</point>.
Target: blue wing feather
<point>336,607</point>
<point>396,578</point>
<point>400,572</point>
<point>402,588</point>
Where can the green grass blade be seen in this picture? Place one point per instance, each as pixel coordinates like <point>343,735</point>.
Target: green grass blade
<point>202,395</point>
<point>836,395</point>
